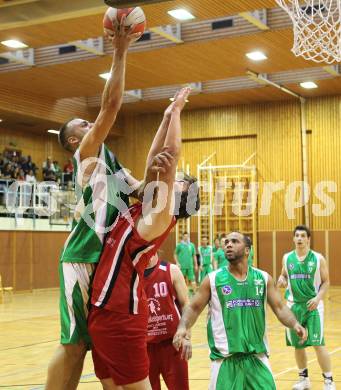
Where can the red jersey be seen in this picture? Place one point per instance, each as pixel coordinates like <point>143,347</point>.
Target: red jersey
<point>164,313</point>
<point>118,282</point>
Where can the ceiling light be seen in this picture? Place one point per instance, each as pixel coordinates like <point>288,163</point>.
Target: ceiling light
<point>0,120</point>
<point>256,56</point>
<point>181,14</point>
<point>308,85</point>
<point>14,44</point>
<point>52,131</point>
<point>105,76</point>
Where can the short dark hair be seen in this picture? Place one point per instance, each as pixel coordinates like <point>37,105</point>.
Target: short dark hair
<point>302,228</point>
<point>184,233</point>
<point>247,239</point>
<point>189,196</point>
<point>63,135</point>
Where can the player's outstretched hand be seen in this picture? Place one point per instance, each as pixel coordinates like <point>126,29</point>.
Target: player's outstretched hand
<point>181,98</point>
<point>123,36</point>
<point>301,332</point>
<point>161,162</point>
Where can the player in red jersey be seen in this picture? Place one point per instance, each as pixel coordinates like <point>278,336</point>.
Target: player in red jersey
<point>167,295</point>
<point>119,314</point>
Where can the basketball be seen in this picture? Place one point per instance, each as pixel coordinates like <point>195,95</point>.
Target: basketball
<point>134,16</point>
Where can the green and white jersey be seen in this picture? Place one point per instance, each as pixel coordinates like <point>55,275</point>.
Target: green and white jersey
<point>304,278</point>
<point>205,254</point>
<point>185,252</point>
<point>237,322</point>
<point>220,258</point>
<point>99,199</point>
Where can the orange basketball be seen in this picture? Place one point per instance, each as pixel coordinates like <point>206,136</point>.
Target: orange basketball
<point>134,15</point>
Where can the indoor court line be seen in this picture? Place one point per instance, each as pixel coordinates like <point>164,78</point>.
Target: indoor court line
<point>309,361</point>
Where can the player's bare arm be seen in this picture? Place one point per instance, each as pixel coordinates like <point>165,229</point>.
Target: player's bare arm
<point>112,94</point>
<point>181,290</point>
<point>161,220</point>
<point>283,277</point>
<point>192,312</point>
<point>313,303</point>
<point>282,312</point>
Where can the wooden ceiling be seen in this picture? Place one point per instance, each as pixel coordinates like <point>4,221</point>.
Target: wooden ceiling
<point>215,59</point>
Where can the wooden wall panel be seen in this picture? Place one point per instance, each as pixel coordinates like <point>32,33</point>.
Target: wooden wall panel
<point>46,250</point>
<point>334,257</point>
<point>265,253</point>
<point>6,258</point>
<point>318,242</point>
<point>23,262</point>
<point>323,118</point>
<point>284,244</point>
<point>276,125</point>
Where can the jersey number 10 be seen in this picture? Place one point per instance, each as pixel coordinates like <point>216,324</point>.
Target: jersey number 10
<point>160,289</point>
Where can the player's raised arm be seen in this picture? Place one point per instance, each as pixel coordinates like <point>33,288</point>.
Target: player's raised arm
<point>160,221</point>
<point>112,94</point>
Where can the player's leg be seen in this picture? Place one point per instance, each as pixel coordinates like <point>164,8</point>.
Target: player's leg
<point>108,384</point>
<point>316,329</point>
<point>174,370</point>
<point>227,374</point>
<point>66,366</point>
<point>258,374</point>
<point>154,365</point>
<point>141,385</point>
<point>301,313</point>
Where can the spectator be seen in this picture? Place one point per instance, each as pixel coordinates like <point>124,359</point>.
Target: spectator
<point>7,171</point>
<point>57,171</point>
<point>30,178</point>
<point>21,174</point>
<point>48,164</point>
<point>68,167</point>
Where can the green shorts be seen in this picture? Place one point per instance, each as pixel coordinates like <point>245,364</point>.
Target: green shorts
<point>242,372</point>
<point>188,273</point>
<point>75,280</point>
<point>206,269</point>
<point>312,321</point>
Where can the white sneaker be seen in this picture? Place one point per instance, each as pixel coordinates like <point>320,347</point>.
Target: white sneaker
<point>329,385</point>
<point>302,384</point>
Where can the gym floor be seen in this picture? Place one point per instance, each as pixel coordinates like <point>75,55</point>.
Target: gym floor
<point>29,331</point>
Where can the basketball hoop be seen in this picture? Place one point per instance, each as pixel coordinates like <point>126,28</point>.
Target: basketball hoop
<point>317,28</point>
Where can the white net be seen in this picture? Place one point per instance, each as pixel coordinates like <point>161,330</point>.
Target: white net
<point>317,28</point>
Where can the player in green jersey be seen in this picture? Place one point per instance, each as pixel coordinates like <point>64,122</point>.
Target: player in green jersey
<point>206,257</point>
<point>101,190</point>
<point>186,259</point>
<point>305,274</point>
<point>236,328</point>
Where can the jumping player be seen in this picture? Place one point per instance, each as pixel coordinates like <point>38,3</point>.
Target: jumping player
<point>119,314</point>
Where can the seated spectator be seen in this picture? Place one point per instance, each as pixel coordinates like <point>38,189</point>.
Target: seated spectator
<point>49,164</point>
<point>21,174</point>
<point>30,178</point>
<point>7,171</point>
<point>58,171</point>
<point>68,167</point>
<point>15,173</point>
<point>49,174</point>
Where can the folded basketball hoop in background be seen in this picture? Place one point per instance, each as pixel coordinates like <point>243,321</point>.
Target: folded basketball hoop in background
<point>317,28</point>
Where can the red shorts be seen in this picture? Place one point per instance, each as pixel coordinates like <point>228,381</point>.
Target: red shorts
<point>165,360</point>
<point>119,345</point>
